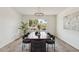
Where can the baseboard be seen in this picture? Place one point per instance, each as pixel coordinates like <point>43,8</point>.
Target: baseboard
<point>9,41</point>
<point>66,43</point>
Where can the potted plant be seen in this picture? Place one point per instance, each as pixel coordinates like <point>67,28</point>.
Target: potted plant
<point>24,27</point>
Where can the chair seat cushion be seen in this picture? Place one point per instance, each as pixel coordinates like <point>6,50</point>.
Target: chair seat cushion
<point>50,41</point>
<point>26,41</point>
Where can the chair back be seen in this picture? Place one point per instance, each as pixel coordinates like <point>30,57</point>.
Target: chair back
<point>52,36</point>
<point>38,45</point>
<point>26,35</point>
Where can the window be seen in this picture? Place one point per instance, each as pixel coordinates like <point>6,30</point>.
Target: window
<point>34,24</point>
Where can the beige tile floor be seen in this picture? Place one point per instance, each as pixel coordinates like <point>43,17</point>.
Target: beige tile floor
<point>16,46</point>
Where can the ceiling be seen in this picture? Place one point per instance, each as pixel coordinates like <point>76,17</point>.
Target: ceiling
<point>45,10</point>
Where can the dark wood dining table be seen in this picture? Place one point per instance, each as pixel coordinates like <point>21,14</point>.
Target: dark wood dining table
<point>38,45</point>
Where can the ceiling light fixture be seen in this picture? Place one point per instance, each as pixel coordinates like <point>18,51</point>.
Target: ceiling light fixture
<point>39,13</point>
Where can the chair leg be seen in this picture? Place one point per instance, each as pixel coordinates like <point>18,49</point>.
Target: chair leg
<point>23,46</point>
<point>54,47</point>
<point>30,48</point>
<point>47,47</point>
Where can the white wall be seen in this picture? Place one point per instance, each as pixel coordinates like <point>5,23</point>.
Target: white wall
<point>51,21</point>
<point>9,21</point>
<point>69,36</point>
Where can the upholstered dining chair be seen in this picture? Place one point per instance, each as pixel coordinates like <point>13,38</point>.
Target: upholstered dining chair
<point>25,40</point>
<point>51,41</point>
<point>38,45</point>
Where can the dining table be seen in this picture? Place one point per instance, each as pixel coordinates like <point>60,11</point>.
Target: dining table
<point>38,44</point>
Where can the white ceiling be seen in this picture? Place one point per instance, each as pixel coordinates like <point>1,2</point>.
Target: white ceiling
<point>45,10</point>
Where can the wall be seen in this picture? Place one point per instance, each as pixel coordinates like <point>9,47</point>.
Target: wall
<point>69,36</point>
<point>51,21</point>
<point>9,21</point>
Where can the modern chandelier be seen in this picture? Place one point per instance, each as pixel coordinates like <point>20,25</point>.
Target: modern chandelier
<point>39,12</point>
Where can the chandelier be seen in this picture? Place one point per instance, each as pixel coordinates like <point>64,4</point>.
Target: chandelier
<point>39,13</point>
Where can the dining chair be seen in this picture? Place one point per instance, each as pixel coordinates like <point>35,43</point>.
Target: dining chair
<point>25,40</point>
<point>51,41</point>
<point>38,45</point>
